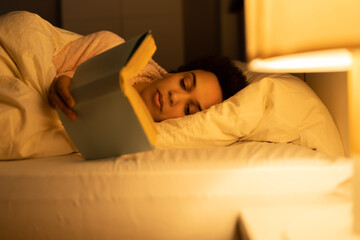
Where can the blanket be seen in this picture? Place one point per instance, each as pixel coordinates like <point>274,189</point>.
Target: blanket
<point>28,44</point>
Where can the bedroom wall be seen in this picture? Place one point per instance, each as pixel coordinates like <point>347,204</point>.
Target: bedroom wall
<point>183,29</point>
<point>331,87</point>
<point>49,9</point>
<point>201,34</point>
<point>129,18</point>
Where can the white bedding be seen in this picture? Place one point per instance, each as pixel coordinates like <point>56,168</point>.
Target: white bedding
<point>162,194</point>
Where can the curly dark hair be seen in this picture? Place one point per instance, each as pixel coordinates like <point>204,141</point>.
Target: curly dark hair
<point>231,78</point>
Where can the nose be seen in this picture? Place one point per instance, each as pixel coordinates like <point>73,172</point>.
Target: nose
<point>176,97</point>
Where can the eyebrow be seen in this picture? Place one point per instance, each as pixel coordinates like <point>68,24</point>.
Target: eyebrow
<point>194,85</point>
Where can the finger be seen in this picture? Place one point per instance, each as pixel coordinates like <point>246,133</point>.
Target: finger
<point>58,101</point>
<point>62,88</point>
<point>50,94</point>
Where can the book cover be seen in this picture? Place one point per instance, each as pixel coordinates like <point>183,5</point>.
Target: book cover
<point>112,118</point>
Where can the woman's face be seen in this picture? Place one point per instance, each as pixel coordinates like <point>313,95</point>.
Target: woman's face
<point>181,94</point>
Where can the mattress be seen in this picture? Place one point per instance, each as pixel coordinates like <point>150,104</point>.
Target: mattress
<point>163,194</point>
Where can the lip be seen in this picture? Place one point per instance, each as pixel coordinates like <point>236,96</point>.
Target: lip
<point>158,99</point>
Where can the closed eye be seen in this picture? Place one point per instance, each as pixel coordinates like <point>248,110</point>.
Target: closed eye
<point>188,83</point>
<point>191,108</point>
<point>187,109</point>
<point>182,84</point>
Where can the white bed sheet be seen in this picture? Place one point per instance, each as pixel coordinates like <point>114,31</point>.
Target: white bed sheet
<point>163,194</point>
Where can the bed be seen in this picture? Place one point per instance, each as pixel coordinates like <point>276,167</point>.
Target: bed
<point>177,191</point>
<point>164,194</point>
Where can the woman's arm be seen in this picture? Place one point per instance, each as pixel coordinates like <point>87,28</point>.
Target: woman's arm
<point>68,59</point>
<point>80,50</point>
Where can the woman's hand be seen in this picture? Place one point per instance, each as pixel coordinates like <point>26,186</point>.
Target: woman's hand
<point>59,95</point>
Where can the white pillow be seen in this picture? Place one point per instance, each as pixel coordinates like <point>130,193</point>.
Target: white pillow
<point>273,107</point>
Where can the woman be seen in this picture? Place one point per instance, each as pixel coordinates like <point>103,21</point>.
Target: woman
<point>192,88</point>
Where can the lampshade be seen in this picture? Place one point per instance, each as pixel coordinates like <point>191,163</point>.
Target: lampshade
<point>320,29</point>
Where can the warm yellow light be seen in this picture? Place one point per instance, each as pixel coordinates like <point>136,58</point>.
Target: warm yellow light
<point>354,104</point>
<point>316,61</point>
<point>281,27</point>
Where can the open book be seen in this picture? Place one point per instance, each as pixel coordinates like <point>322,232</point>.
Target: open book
<point>112,117</point>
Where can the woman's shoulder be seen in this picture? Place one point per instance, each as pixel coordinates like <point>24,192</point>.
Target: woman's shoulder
<point>108,36</point>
